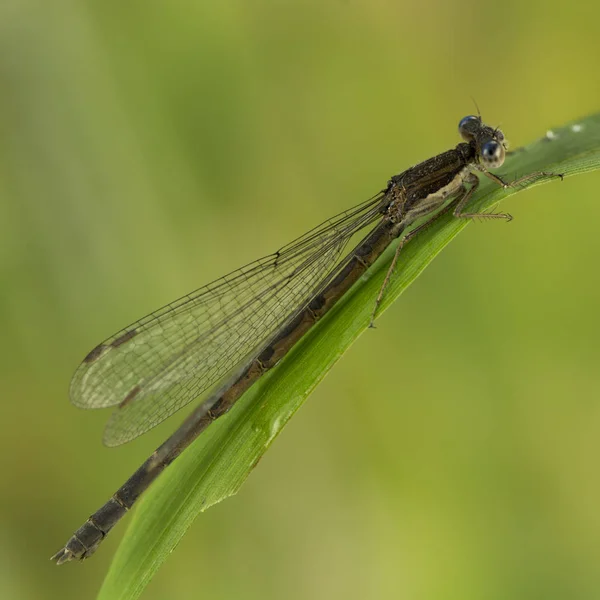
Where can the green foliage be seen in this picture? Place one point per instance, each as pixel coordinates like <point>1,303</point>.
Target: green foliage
<point>217,464</point>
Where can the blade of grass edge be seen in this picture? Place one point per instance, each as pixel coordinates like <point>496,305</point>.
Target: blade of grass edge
<point>217,464</point>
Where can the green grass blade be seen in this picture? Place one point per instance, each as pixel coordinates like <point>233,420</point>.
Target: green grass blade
<point>217,464</point>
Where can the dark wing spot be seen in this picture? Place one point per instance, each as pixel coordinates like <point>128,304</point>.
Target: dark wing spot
<point>96,353</point>
<point>124,338</point>
<point>132,394</point>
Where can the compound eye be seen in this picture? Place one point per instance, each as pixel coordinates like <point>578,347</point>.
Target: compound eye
<point>492,154</point>
<point>468,126</point>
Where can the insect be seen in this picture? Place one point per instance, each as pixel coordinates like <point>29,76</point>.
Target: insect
<point>214,343</point>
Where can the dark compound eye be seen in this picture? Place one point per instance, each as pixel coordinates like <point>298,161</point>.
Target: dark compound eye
<point>468,126</point>
<point>492,154</point>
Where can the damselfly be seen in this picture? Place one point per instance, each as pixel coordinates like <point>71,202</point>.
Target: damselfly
<point>214,343</point>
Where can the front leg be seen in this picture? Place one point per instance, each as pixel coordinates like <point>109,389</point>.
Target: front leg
<point>505,184</point>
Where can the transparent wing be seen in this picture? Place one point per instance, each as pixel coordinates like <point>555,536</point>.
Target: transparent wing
<point>160,363</point>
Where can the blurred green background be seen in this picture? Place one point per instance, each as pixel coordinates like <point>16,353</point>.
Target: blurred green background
<point>148,147</point>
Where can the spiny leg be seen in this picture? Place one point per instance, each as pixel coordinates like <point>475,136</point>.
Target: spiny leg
<point>401,244</point>
<point>458,211</point>
<point>388,275</point>
<point>520,180</point>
